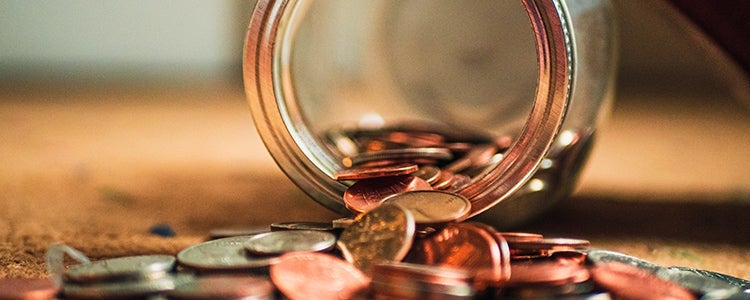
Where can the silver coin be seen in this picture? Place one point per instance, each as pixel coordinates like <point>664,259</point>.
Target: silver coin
<point>280,242</point>
<point>123,289</point>
<point>130,267</point>
<point>223,254</point>
<point>739,283</point>
<point>696,282</point>
<point>319,226</point>
<point>599,256</point>
<point>221,233</point>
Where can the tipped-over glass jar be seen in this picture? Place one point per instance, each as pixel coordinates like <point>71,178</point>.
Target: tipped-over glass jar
<point>337,83</point>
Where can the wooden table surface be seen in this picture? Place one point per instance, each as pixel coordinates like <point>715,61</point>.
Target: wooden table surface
<point>95,167</point>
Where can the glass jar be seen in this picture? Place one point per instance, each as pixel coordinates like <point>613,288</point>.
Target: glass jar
<point>535,74</point>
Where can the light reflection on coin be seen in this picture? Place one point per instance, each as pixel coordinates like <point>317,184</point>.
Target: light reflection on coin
<point>129,267</point>
<point>432,207</point>
<point>223,254</point>
<point>383,234</point>
<point>696,282</point>
<point>429,173</point>
<point>599,256</point>
<point>307,275</point>
<point>365,195</point>
<point>397,154</point>
<point>279,242</point>
<point>318,226</point>
<point>358,173</point>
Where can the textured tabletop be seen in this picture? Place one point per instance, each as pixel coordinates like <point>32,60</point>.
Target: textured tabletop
<point>97,167</point>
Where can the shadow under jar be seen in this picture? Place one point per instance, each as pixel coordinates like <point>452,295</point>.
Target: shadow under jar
<point>532,77</point>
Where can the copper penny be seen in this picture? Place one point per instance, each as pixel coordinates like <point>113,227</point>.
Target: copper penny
<point>27,288</point>
<point>444,181</point>
<point>306,275</point>
<point>549,273</point>
<point>432,207</point>
<point>381,235</point>
<point>546,246</point>
<point>224,287</point>
<point>357,173</point>
<point>367,194</point>
<point>395,154</point>
<point>462,245</point>
<point>520,236</point>
<point>629,282</point>
<point>412,281</point>
<point>429,173</point>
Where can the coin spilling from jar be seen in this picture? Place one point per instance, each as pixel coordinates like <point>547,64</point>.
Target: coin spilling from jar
<point>408,240</point>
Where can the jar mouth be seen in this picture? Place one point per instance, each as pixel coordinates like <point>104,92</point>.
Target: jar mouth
<point>300,152</point>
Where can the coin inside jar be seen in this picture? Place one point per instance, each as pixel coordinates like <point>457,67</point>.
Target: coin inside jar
<point>279,242</point>
<point>432,207</point>
<point>367,194</point>
<point>358,173</point>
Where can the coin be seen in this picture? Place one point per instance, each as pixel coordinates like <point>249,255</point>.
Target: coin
<point>280,242</point>
<point>696,282</point>
<point>739,283</point>
<point>545,247</point>
<point>27,288</point>
<point>318,226</point>
<point>364,195</point>
<point>307,275</point>
<point>621,281</point>
<point>222,254</point>
<point>224,287</point>
<point>342,223</point>
<point>520,236</point>
<point>395,154</point>
<point>463,245</point>
<point>398,280</point>
<point>381,235</point>
<point>600,256</point>
<point>357,173</point>
<point>444,181</point>
<point>429,173</point>
<point>546,273</point>
<point>130,267</point>
<point>123,289</point>
<point>432,207</point>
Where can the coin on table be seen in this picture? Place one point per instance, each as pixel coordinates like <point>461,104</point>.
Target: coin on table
<point>398,280</point>
<point>359,173</point>
<point>367,194</point>
<point>224,286</point>
<point>738,282</point>
<point>27,288</point>
<point>318,226</point>
<point>222,254</point>
<point>463,245</point>
<point>545,247</point>
<point>381,235</point>
<point>621,281</point>
<point>600,256</point>
<point>432,207</point>
<point>280,242</point>
<point>122,268</point>
<point>128,289</point>
<point>696,282</point>
<point>520,236</point>
<point>309,275</point>
<point>221,233</point>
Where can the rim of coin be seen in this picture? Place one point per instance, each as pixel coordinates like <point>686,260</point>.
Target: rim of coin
<point>124,289</point>
<point>383,234</point>
<point>601,256</point>
<point>359,173</point>
<point>223,286</point>
<point>421,273</point>
<point>128,267</point>
<point>546,273</point>
<point>698,283</point>
<point>395,154</point>
<point>280,242</point>
<point>619,279</point>
<point>432,207</point>
<point>367,194</point>
<point>520,236</point>
<point>220,233</point>
<point>303,225</point>
<point>27,288</point>
<point>310,275</point>
<point>429,173</point>
<point>222,254</point>
<point>550,245</point>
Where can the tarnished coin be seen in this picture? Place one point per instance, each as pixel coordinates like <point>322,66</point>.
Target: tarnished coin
<point>396,280</point>
<point>358,173</point>
<point>398,154</point>
<point>128,289</point>
<point>696,282</point>
<point>317,226</point>
<point>429,173</point>
<point>224,287</point>
<point>629,282</point>
<point>367,194</point>
<point>309,276</point>
<point>463,245</point>
<point>432,207</point>
<point>221,233</point>
<point>223,254</point>
<point>280,242</point>
<point>122,268</point>
<point>27,289</point>
<point>383,234</point>
<point>599,256</point>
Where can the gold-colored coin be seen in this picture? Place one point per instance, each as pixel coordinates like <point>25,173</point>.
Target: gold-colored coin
<point>432,207</point>
<point>382,235</point>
